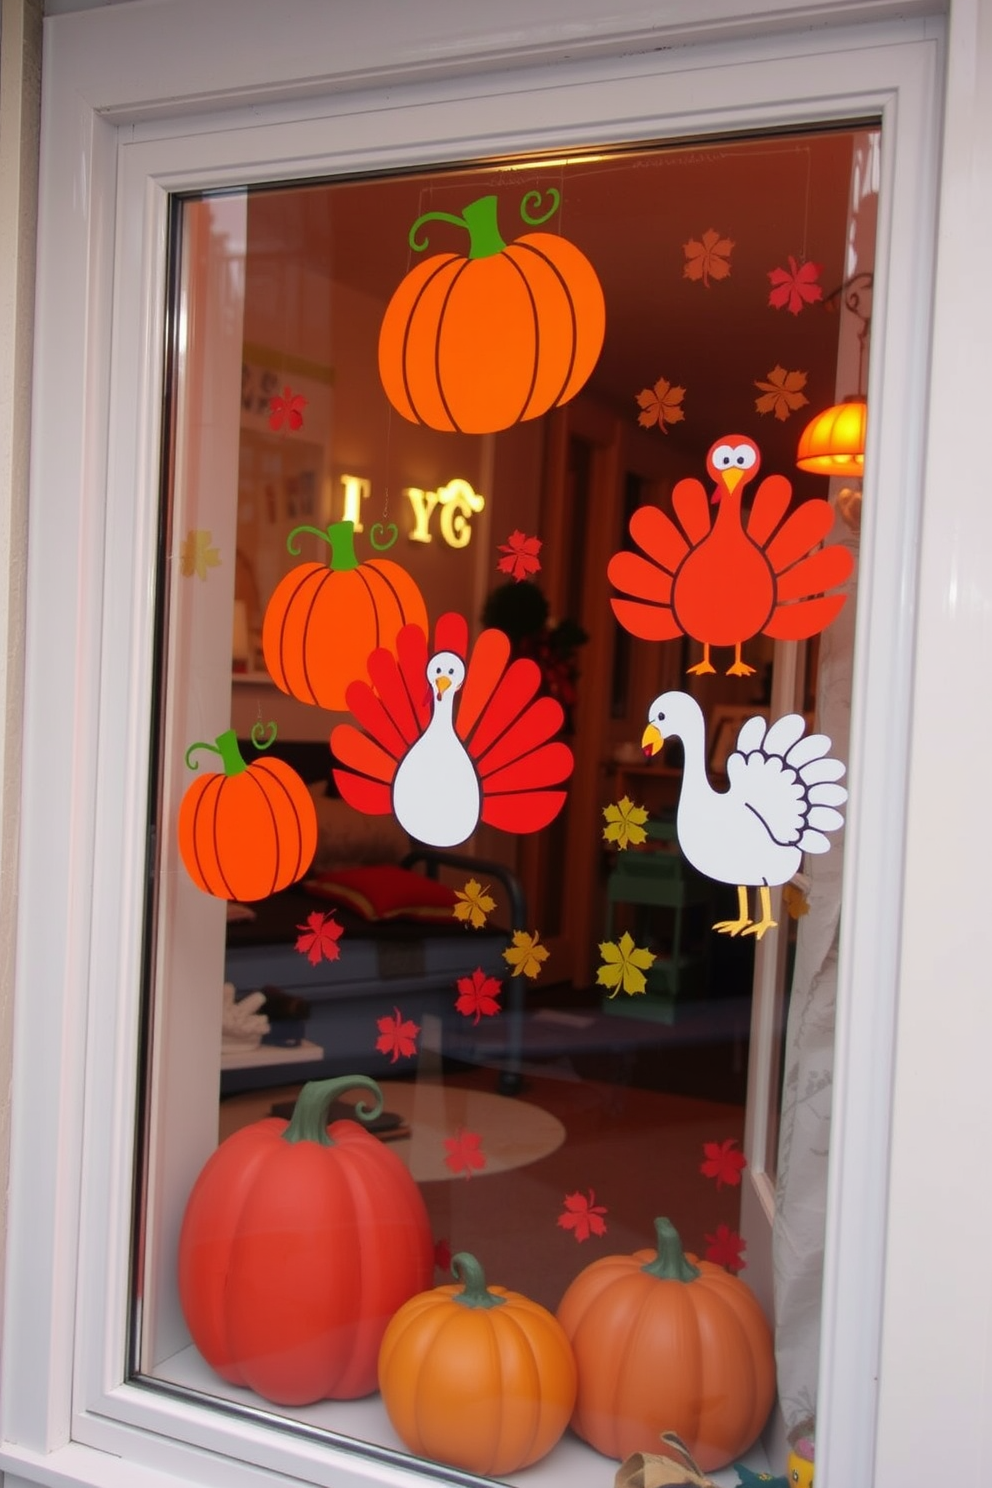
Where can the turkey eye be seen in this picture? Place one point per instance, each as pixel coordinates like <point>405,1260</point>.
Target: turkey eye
<point>745,456</point>
<point>451,671</point>
<point>723,456</point>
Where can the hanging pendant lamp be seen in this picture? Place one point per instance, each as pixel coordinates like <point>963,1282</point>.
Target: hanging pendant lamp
<point>833,443</point>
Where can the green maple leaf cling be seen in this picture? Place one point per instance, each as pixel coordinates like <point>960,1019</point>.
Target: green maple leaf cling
<point>624,965</point>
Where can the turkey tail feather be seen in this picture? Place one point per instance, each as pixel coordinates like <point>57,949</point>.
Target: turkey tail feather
<point>370,796</point>
<point>649,622</point>
<point>368,709</point>
<point>412,658</point>
<point>357,752</point>
<point>771,502</point>
<point>796,622</point>
<point>692,507</point>
<point>527,811</point>
<point>389,715</point>
<point>549,765</point>
<point>532,728</point>
<point>824,569</point>
<point>808,525</point>
<point>490,655</point>
<point>657,536</point>
<point>634,575</point>
<point>451,634</point>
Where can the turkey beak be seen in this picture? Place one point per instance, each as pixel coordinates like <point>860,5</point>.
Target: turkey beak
<point>732,479</point>
<point>443,683</point>
<point>651,741</point>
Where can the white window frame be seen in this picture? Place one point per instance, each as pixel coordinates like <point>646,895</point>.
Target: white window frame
<point>140,101</point>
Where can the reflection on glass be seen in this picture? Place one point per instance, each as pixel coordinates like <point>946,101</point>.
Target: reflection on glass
<point>475,1033</point>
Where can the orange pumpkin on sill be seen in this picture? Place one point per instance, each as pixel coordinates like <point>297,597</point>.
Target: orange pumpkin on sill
<point>478,1377</point>
<point>665,1342</point>
<point>473,343</point>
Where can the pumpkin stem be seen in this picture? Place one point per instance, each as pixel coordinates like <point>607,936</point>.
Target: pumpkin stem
<point>479,221</point>
<point>308,1122</point>
<point>226,746</point>
<point>466,1269</point>
<point>535,197</point>
<point>670,1264</point>
<point>340,538</point>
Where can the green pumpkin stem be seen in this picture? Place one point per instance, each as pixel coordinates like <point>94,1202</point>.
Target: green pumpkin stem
<point>226,745</point>
<point>478,220</point>
<point>308,1122</point>
<point>466,1269</point>
<point>340,538</point>
<point>670,1264</point>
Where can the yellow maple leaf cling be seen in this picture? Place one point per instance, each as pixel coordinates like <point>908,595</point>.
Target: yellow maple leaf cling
<point>474,904</point>
<point>196,555</point>
<point>708,259</point>
<point>624,965</point>
<point>795,901</point>
<point>625,823</point>
<point>526,954</point>
<point>660,405</point>
<point>782,393</point>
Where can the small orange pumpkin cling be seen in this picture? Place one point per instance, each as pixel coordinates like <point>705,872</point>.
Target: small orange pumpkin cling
<point>250,830</point>
<point>298,1243</point>
<point>324,621</point>
<point>478,1377</point>
<point>665,1342</point>
<point>474,343</point>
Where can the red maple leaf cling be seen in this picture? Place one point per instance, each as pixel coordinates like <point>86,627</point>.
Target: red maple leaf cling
<point>397,1035</point>
<point>726,1248</point>
<point>465,1153</point>
<point>795,287</point>
<point>723,1162</point>
<point>287,410</point>
<point>318,938</point>
<point>477,994</point>
<point>521,556</point>
<point>583,1216</point>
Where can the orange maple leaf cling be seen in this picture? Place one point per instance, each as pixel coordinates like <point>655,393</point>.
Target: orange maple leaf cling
<point>708,259</point>
<point>318,938</point>
<point>795,286</point>
<point>660,405</point>
<point>473,903</point>
<point>397,1035</point>
<point>526,954</point>
<point>782,393</point>
<point>723,1162</point>
<point>477,994</point>
<point>521,556</point>
<point>464,1153</point>
<point>583,1216</point>
<point>726,1248</point>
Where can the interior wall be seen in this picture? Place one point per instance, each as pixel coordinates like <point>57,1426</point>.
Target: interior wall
<point>20,118</point>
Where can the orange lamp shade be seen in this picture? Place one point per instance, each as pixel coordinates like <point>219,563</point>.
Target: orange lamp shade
<point>833,443</point>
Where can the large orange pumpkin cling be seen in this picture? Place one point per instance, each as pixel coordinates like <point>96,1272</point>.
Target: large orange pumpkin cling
<point>479,341</point>
<point>249,830</point>
<point>479,1377</point>
<point>324,621</point>
<point>298,1244</point>
<point>665,1342</point>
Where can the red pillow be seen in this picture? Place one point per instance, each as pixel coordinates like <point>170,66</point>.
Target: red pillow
<point>386,892</point>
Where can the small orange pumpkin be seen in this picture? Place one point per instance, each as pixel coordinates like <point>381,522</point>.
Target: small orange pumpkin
<point>323,622</point>
<point>475,1376</point>
<point>247,831</point>
<point>664,1342</point>
<point>474,343</point>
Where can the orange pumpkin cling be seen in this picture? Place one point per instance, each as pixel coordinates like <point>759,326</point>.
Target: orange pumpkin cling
<point>323,622</point>
<point>664,1342</point>
<point>299,1242</point>
<point>247,831</point>
<point>475,1376</point>
<point>474,343</point>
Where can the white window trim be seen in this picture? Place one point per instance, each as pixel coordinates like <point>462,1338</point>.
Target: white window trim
<point>120,87</point>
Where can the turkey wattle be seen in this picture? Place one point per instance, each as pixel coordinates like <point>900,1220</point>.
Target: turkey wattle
<point>782,797</point>
<point>476,745</point>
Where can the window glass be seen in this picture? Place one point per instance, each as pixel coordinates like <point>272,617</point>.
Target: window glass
<point>484,539</point>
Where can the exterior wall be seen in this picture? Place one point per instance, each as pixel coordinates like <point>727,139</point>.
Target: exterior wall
<point>20,112</point>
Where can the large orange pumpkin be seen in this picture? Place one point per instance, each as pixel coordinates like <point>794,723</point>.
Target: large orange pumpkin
<point>475,1376</point>
<point>665,1342</point>
<point>298,1244</point>
<point>247,831</point>
<point>323,622</point>
<point>474,343</point>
